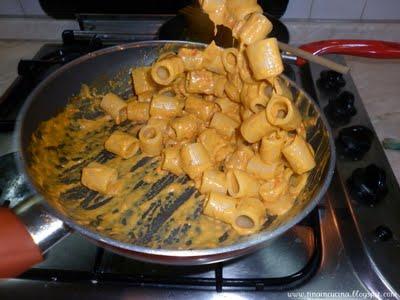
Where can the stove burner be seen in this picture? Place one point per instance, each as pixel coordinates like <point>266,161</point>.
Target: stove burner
<point>330,81</point>
<point>383,233</point>
<point>340,109</point>
<point>368,185</point>
<point>354,142</point>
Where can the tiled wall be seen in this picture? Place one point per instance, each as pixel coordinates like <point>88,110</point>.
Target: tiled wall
<point>297,9</point>
<point>343,9</point>
<point>20,8</point>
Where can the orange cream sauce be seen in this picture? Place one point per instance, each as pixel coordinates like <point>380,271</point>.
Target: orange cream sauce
<point>153,208</point>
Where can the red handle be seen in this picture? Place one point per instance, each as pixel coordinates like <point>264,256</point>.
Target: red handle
<point>18,252</point>
<point>363,48</point>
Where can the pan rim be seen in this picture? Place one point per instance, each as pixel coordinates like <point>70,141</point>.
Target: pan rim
<point>255,240</point>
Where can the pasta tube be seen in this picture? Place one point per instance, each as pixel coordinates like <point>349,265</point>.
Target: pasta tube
<point>224,124</point>
<point>239,159</point>
<point>295,182</point>
<point>171,160</point>
<point>283,113</point>
<point>145,97</point>
<point>219,85</point>
<point>229,108</point>
<point>271,147</point>
<point>138,111</point>
<point>142,81</point>
<point>245,72</point>
<point>213,59</point>
<point>241,9</point>
<point>255,127</point>
<point>202,109</point>
<point>212,142</point>
<point>115,107</point>
<point>249,217</point>
<point>185,127</point>
<point>282,89</point>
<point>256,96</point>
<point>280,207</point>
<point>245,113</point>
<point>213,181</point>
<point>264,58</point>
<point>298,155</point>
<point>167,70</point>
<point>260,169</point>
<point>122,144</point>
<point>256,28</point>
<point>232,91</point>
<point>192,58</point>
<point>164,106</point>
<point>195,160</point>
<point>271,190</point>
<point>241,184</point>
<point>200,82</point>
<point>230,59</point>
<point>150,140</point>
<point>160,124</point>
<point>220,207</point>
<point>99,178</point>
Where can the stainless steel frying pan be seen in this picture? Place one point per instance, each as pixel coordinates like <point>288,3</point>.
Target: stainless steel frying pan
<point>37,224</point>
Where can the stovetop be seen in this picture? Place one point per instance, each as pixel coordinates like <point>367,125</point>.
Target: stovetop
<point>347,247</point>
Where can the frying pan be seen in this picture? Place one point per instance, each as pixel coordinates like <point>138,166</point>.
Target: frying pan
<point>35,225</point>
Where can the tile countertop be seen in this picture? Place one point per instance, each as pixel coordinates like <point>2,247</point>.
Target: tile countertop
<point>377,82</point>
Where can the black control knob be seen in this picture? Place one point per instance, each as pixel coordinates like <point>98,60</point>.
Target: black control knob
<point>354,141</point>
<point>340,109</point>
<point>368,185</point>
<point>383,233</point>
<point>330,81</point>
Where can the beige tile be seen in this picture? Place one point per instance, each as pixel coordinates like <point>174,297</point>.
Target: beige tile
<point>11,52</point>
<point>382,10</point>
<point>337,9</point>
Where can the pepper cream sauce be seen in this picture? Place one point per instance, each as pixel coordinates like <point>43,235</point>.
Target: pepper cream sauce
<point>153,208</point>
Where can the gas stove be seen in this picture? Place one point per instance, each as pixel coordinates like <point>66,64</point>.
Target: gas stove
<point>348,247</point>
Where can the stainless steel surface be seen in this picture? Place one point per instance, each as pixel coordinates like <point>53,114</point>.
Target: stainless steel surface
<point>111,61</point>
<point>6,142</point>
<point>375,261</point>
<point>335,275</point>
<point>288,57</point>
<point>354,264</point>
<point>46,230</point>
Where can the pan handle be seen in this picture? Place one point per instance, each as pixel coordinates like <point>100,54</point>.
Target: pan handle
<point>363,48</point>
<point>26,234</point>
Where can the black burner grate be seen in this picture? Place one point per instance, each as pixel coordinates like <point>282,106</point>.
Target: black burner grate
<point>211,277</point>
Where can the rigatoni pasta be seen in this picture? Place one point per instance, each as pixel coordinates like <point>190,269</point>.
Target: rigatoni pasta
<point>122,144</point>
<point>150,140</point>
<point>283,113</point>
<point>220,206</point>
<point>115,107</point>
<point>250,215</point>
<point>99,178</point>
<point>299,156</point>
<point>223,117</point>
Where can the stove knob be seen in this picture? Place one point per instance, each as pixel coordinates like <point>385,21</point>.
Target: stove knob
<point>383,233</point>
<point>368,185</point>
<point>340,109</point>
<point>354,141</point>
<point>330,81</point>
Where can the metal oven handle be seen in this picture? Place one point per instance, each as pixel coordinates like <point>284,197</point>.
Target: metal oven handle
<point>26,233</point>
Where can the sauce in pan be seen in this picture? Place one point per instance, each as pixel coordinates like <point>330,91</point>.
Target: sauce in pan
<point>153,208</point>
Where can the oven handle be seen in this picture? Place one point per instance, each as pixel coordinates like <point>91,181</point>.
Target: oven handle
<point>26,233</point>
<point>362,48</point>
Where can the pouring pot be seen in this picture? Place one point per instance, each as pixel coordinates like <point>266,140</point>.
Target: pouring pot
<point>29,230</point>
